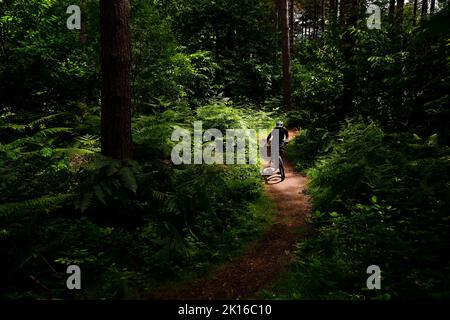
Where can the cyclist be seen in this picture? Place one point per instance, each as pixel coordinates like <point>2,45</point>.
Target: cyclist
<point>283,133</point>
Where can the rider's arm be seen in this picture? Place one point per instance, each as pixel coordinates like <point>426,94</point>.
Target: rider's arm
<point>286,133</point>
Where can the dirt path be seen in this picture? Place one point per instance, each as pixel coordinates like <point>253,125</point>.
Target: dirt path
<point>262,264</point>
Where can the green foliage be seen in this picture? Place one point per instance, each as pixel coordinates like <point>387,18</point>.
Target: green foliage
<point>43,65</point>
<point>379,199</point>
<point>162,71</point>
<point>344,173</point>
<point>131,225</point>
<point>372,106</point>
<point>308,145</point>
<point>379,187</point>
<point>242,36</point>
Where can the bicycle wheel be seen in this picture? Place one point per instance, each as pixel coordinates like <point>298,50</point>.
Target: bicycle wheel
<point>282,150</point>
<point>282,173</point>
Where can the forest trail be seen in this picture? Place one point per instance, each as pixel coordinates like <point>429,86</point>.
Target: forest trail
<point>262,263</point>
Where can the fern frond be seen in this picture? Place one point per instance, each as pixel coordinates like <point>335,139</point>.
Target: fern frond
<point>41,120</point>
<point>73,151</point>
<point>13,126</point>
<point>46,203</point>
<point>85,201</point>
<point>158,195</point>
<point>128,179</point>
<point>99,194</point>
<point>49,131</point>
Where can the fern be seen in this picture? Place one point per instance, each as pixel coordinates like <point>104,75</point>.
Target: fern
<point>50,131</point>
<point>45,119</point>
<point>85,201</point>
<point>89,142</point>
<point>128,179</point>
<point>46,203</point>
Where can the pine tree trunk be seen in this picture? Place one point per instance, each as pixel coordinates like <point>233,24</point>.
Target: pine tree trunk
<point>323,15</point>
<point>116,69</point>
<point>315,23</point>
<point>391,10</point>
<point>286,53</point>
<point>399,14</point>
<point>302,21</point>
<point>348,18</point>
<point>424,7</point>
<point>291,26</point>
<point>415,11</point>
<point>348,12</point>
<point>432,6</point>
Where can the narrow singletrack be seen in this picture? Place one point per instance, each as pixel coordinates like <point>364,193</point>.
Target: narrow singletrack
<point>261,265</point>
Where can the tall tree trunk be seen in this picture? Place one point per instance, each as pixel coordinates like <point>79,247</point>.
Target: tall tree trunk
<point>83,31</point>
<point>348,12</point>
<point>286,52</point>
<point>424,8</point>
<point>399,14</point>
<point>322,13</point>
<point>310,29</point>
<point>316,19</point>
<point>291,25</point>
<point>333,10</point>
<point>415,12</point>
<point>348,18</point>
<point>116,88</point>
<point>391,10</point>
<point>302,21</point>
<point>432,6</point>
<point>277,9</point>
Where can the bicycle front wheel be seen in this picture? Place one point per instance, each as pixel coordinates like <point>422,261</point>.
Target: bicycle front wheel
<point>282,173</point>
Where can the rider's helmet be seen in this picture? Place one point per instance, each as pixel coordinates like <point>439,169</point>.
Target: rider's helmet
<point>279,124</point>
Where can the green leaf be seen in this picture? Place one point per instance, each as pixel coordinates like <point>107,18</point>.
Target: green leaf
<point>334,214</point>
<point>100,194</point>
<point>85,201</point>
<point>128,179</point>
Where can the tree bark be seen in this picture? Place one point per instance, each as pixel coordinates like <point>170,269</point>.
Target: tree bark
<point>391,10</point>
<point>415,12</point>
<point>83,31</point>
<point>286,53</point>
<point>302,21</point>
<point>424,7</point>
<point>322,18</point>
<point>432,6</point>
<point>333,10</point>
<point>348,18</point>
<point>348,12</point>
<point>116,72</point>
<point>399,14</point>
<point>291,25</point>
<point>315,20</point>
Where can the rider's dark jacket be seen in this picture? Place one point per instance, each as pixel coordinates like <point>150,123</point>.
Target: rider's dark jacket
<point>282,134</point>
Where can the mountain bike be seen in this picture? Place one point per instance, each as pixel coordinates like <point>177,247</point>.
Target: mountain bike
<point>281,156</point>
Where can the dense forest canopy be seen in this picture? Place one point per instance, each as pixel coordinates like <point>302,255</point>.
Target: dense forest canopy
<point>86,122</point>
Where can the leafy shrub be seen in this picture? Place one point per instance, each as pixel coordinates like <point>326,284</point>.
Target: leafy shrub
<point>130,225</point>
<point>380,199</point>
